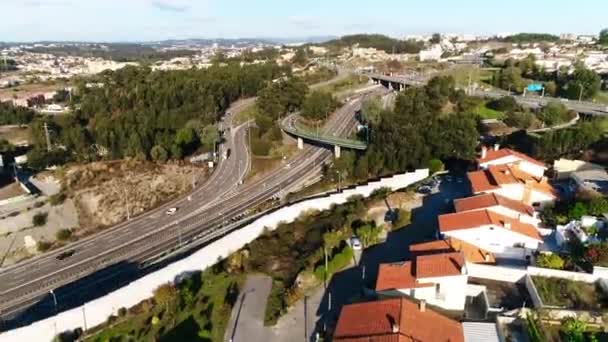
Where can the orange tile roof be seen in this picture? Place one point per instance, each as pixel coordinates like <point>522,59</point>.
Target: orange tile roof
<point>407,275</point>
<point>479,218</point>
<point>490,200</point>
<point>470,252</point>
<point>394,320</point>
<point>492,154</point>
<point>497,175</point>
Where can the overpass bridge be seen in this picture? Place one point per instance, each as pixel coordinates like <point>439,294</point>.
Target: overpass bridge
<point>399,82</point>
<point>291,126</point>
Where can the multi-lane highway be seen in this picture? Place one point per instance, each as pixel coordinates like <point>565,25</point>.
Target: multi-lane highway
<point>208,208</point>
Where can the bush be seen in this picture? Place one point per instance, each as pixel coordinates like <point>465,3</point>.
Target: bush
<point>63,234</point>
<point>122,312</point>
<point>43,246</point>
<point>553,261</point>
<point>338,262</point>
<point>503,104</point>
<point>57,199</point>
<point>39,219</point>
<point>275,305</point>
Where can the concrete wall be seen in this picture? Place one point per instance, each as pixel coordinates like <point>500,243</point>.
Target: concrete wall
<point>97,311</point>
<point>498,273</point>
<point>550,273</point>
<point>536,300</point>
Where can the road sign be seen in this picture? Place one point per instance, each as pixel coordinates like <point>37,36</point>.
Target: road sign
<point>535,87</point>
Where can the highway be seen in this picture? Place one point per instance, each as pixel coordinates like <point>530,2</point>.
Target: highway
<point>115,255</point>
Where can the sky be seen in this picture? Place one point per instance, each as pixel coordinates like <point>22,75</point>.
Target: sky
<point>151,20</point>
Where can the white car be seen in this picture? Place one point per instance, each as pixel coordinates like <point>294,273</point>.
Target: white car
<point>355,243</point>
<point>171,211</point>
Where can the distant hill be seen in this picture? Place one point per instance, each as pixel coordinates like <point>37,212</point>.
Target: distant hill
<point>531,38</point>
<point>379,42</point>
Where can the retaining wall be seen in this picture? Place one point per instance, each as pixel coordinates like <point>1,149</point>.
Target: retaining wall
<point>97,311</point>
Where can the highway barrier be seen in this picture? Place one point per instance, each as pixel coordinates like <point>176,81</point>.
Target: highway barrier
<point>97,311</point>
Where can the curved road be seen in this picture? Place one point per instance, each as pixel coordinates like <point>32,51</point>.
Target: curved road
<point>24,286</point>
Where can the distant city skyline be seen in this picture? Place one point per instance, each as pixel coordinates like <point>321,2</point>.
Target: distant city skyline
<point>153,20</point>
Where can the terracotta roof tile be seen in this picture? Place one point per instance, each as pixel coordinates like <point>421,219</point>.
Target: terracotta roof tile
<point>490,200</point>
<point>374,321</point>
<point>492,155</point>
<point>495,176</point>
<point>408,274</point>
<point>470,252</point>
<point>479,218</point>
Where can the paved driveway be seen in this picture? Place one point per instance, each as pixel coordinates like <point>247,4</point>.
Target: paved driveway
<point>247,320</point>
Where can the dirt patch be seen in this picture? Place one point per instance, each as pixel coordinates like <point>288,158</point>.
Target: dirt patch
<point>102,190</point>
<point>16,135</point>
<point>11,190</point>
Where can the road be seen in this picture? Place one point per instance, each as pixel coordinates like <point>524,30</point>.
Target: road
<point>114,256</point>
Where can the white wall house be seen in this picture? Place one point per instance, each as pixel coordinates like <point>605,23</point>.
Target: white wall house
<point>439,279</point>
<point>499,204</point>
<point>501,235</point>
<point>513,183</point>
<point>506,156</point>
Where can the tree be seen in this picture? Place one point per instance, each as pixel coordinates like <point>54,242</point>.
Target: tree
<point>552,260</point>
<point>574,329</point>
<point>39,219</point>
<point>510,78</point>
<point>165,294</point>
<point>553,113</point>
<point>371,110</point>
<point>603,37</point>
<point>369,234</point>
<point>435,165</point>
<point>435,38</point>
<point>504,104</point>
<point>209,136</point>
<point>301,57</point>
<point>318,105</point>
<point>158,153</point>
<point>64,234</point>
<point>583,83</point>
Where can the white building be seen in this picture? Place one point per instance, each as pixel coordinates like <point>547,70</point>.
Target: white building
<point>432,54</point>
<point>439,279</point>
<point>499,204</point>
<point>503,236</point>
<point>506,156</point>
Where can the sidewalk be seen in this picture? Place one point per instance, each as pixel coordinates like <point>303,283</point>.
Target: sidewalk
<point>247,319</point>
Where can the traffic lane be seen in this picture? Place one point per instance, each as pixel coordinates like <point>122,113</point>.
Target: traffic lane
<point>288,181</point>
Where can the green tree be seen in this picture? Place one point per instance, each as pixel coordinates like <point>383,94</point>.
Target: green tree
<point>301,57</point>
<point>165,294</point>
<point>63,234</point>
<point>371,110</point>
<point>435,165</point>
<point>583,83</point>
<point>158,153</point>
<point>318,105</point>
<point>39,219</point>
<point>208,137</point>
<point>603,37</point>
<point>435,38</point>
<point>574,329</point>
<point>511,78</point>
<point>369,234</point>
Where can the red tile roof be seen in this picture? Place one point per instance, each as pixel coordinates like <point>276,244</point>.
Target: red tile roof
<point>407,275</point>
<point>495,176</point>
<point>492,155</point>
<point>394,320</point>
<point>479,218</point>
<point>470,252</point>
<point>490,200</point>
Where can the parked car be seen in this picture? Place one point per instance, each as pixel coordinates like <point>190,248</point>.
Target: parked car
<point>66,254</point>
<point>171,211</point>
<point>355,243</point>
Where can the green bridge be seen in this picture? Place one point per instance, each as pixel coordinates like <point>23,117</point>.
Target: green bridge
<point>307,133</point>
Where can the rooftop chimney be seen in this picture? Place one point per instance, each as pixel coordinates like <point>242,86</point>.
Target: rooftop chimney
<point>496,147</point>
<point>422,305</point>
<point>487,257</point>
<point>507,225</point>
<point>484,152</point>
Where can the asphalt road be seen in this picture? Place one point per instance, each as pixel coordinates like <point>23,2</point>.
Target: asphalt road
<point>95,263</point>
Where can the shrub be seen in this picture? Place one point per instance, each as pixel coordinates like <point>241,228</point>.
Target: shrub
<point>122,312</point>
<point>553,261</point>
<point>39,219</point>
<point>435,165</point>
<point>338,262</point>
<point>57,199</point>
<point>63,234</point>
<point>43,246</point>
<point>503,104</point>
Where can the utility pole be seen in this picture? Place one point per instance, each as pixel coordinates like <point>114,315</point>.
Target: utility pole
<point>48,137</point>
<point>325,277</point>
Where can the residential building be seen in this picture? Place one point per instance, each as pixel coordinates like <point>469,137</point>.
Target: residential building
<point>395,320</point>
<point>432,54</point>
<point>439,279</point>
<point>471,253</point>
<point>594,181</point>
<point>480,332</point>
<point>503,236</point>
<point>506,156</point>
<point>500,205</point>
<point>512,182</point>
<point>564,168</point>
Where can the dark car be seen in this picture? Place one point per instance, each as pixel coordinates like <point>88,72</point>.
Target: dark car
<point>66,254</point>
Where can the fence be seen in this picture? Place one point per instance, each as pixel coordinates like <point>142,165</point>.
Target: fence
<point>97,311</point>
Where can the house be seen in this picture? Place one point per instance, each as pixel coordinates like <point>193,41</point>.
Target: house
<point>471,253</point>
<point>432,54</point>
<point>500,205</point>
<point>439,279</point>
<point>512,182</point>
<point>506,156</point>
<point>594,181</point>
<point>564,168</point>
<point>503,236</point>
<point>398,320</point>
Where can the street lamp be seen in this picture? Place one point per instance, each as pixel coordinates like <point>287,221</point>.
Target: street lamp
<point>54,299</point>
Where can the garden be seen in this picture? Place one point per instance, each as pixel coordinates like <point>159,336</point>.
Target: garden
<point>568,294</point>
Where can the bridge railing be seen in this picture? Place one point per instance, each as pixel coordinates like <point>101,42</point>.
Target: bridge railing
<point>310,134</point>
